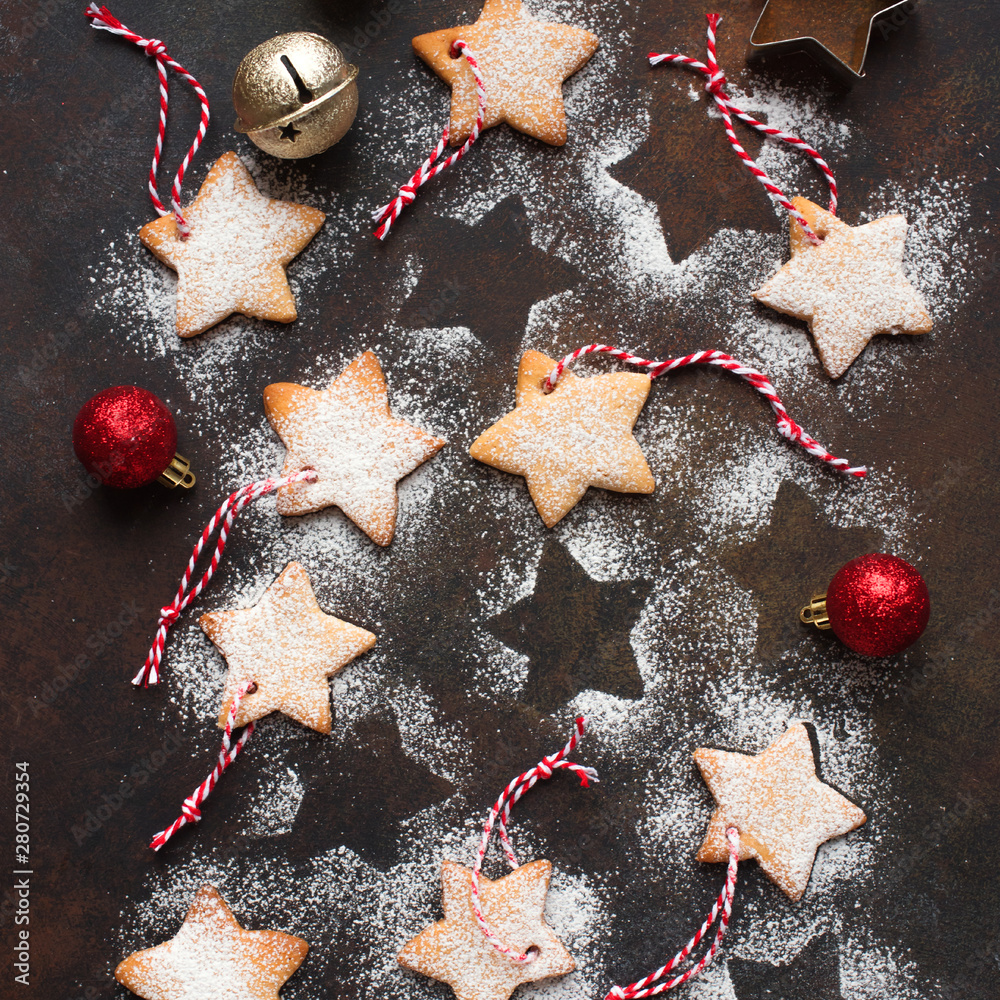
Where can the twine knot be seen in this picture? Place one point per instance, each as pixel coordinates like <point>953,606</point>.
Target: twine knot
<point>154,47</point>
<point>789,429</point>
<point>717,84</point>
<point>544,767</point>
<point>169,615</point>
<point>191,811</point>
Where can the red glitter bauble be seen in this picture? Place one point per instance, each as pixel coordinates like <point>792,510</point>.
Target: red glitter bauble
<point>125,437</point>
<point>878,604</point>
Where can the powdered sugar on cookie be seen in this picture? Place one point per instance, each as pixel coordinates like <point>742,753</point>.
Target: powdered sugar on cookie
<point>455,951</point>
<point>212,956</point>
<point>347,434</point>
<point>577,436</point>
<point>523,63</point>
<point>234,258</point>
<point>288,648</point>
<point>849,287</point>
<point>780,809</point>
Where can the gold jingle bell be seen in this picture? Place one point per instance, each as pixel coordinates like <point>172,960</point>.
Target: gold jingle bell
<point>295,95</point>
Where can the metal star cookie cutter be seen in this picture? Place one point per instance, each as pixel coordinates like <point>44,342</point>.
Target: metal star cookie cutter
<point>845,27</point>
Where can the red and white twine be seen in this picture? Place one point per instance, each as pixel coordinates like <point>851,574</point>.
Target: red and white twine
<point>716,86</point>
<point>787,427</point>
<point>500,815</point>
<point>224,516</point>
<point>721,911</point>
<point>191,809</point>
<point>103,19</point>
<point>430,168</point>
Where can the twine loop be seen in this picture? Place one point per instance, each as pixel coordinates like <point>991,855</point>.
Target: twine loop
<point>721,912</point>
<point>500,815</point>
<point>102,19</point>
<point>716,86</point>
<point>786,427</point>
<point>430,168</point>
<point>223,520</point>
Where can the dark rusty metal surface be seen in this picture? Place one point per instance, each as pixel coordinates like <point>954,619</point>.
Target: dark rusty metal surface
<point>84,570</point>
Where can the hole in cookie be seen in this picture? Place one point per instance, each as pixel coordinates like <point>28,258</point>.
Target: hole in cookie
<point>253,687</point>
<point>533,952</point>
<point>305,94</point>
<point>454,52</point>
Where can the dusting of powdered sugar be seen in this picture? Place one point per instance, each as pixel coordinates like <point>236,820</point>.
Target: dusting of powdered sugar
<point>137,295</point>
<point>695,641</point>
<point>276,804</point>
<point>337,896</point>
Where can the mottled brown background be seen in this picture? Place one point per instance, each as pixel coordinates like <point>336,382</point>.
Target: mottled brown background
<point>74,156</point>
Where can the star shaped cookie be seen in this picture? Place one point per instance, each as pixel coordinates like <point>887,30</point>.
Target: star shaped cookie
<point>455,951</point>
<point>289,647</point>
<point>576,436</point>
<point>523,62</point>
<point>357,447</point>
<point>848,288</point>
<point>212,958</point>
<point>783,812</point>
<point>234,259</point>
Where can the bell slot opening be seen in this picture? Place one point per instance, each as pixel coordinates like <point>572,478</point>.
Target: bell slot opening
<point>305,94</point>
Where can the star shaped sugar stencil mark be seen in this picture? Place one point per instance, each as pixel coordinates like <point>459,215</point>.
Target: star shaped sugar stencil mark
<point>849,287</point>
<point>575,632</point>
<point>235,257</point>
<point>565,441</point>
<point>524,64</point>
<point>467,269</point>
<point>838,32</point>
<point>348,435</point>
<point>289,647</point>
<point>455,951</point>
<point>795,556</point>
<point>212,957</point>
<point>697,183</point>
<point>358,792</point>
<point>814,974</point>
<point>782,810</point>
